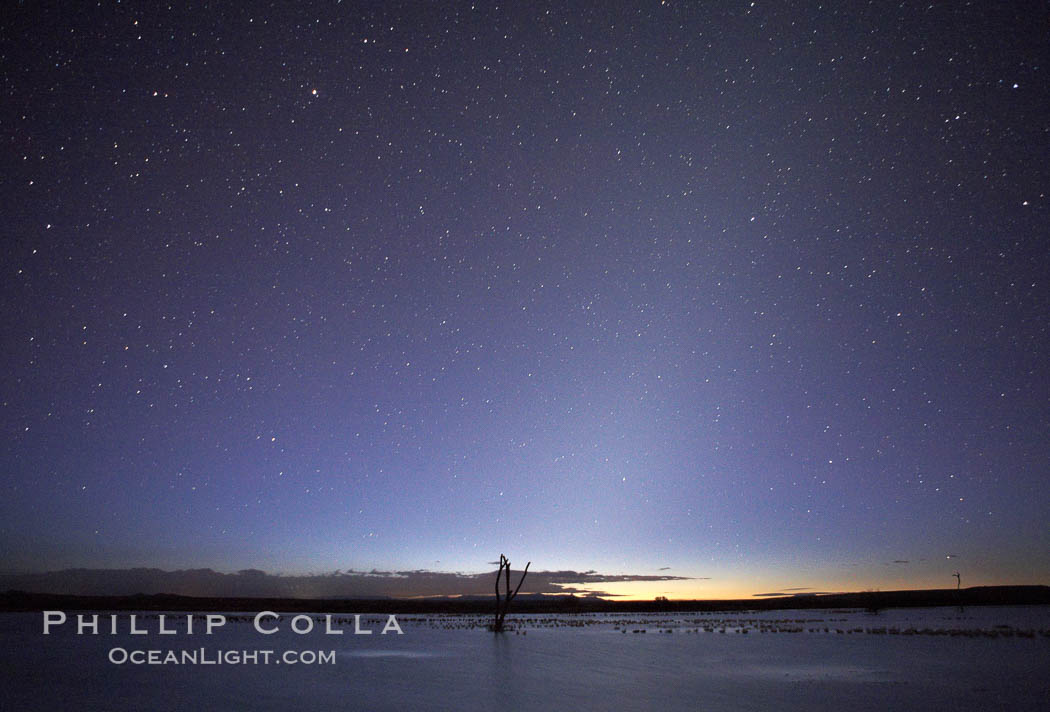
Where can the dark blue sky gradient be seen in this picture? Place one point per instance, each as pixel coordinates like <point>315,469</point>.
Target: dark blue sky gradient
<point>754,291</point>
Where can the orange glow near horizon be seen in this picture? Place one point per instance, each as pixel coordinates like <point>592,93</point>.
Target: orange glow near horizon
<point>688,589</point>
<point>699,589</point>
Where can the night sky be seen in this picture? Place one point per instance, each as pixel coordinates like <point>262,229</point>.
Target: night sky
<point>750,293</point>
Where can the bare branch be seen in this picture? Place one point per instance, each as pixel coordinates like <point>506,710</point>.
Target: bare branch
<point>523,573</point>
<point>507,589</point>
<point>498,573</point>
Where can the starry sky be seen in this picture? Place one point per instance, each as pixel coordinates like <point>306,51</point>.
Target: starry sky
<point>752,294</point>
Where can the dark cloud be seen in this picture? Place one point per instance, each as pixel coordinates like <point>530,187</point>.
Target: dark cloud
<point>336,584</point>
<point>785,592</point>
<point>799,591</point>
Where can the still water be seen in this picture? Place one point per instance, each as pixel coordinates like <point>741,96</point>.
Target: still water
<point>991,658</point>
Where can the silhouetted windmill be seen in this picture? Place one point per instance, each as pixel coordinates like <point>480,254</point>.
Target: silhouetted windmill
<point>958,580</point>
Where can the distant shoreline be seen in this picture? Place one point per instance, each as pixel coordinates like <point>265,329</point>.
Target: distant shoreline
<point>871,600</point>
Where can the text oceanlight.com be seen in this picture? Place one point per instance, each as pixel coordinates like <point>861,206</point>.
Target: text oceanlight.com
<point>202,656</point>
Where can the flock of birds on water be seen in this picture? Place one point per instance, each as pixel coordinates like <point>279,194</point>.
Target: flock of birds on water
<point>697,623</point>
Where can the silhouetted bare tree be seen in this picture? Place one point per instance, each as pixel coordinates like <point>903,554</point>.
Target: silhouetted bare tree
<point>503,605</point>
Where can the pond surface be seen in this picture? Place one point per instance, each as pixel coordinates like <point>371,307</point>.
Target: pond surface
<point>932,659</point>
